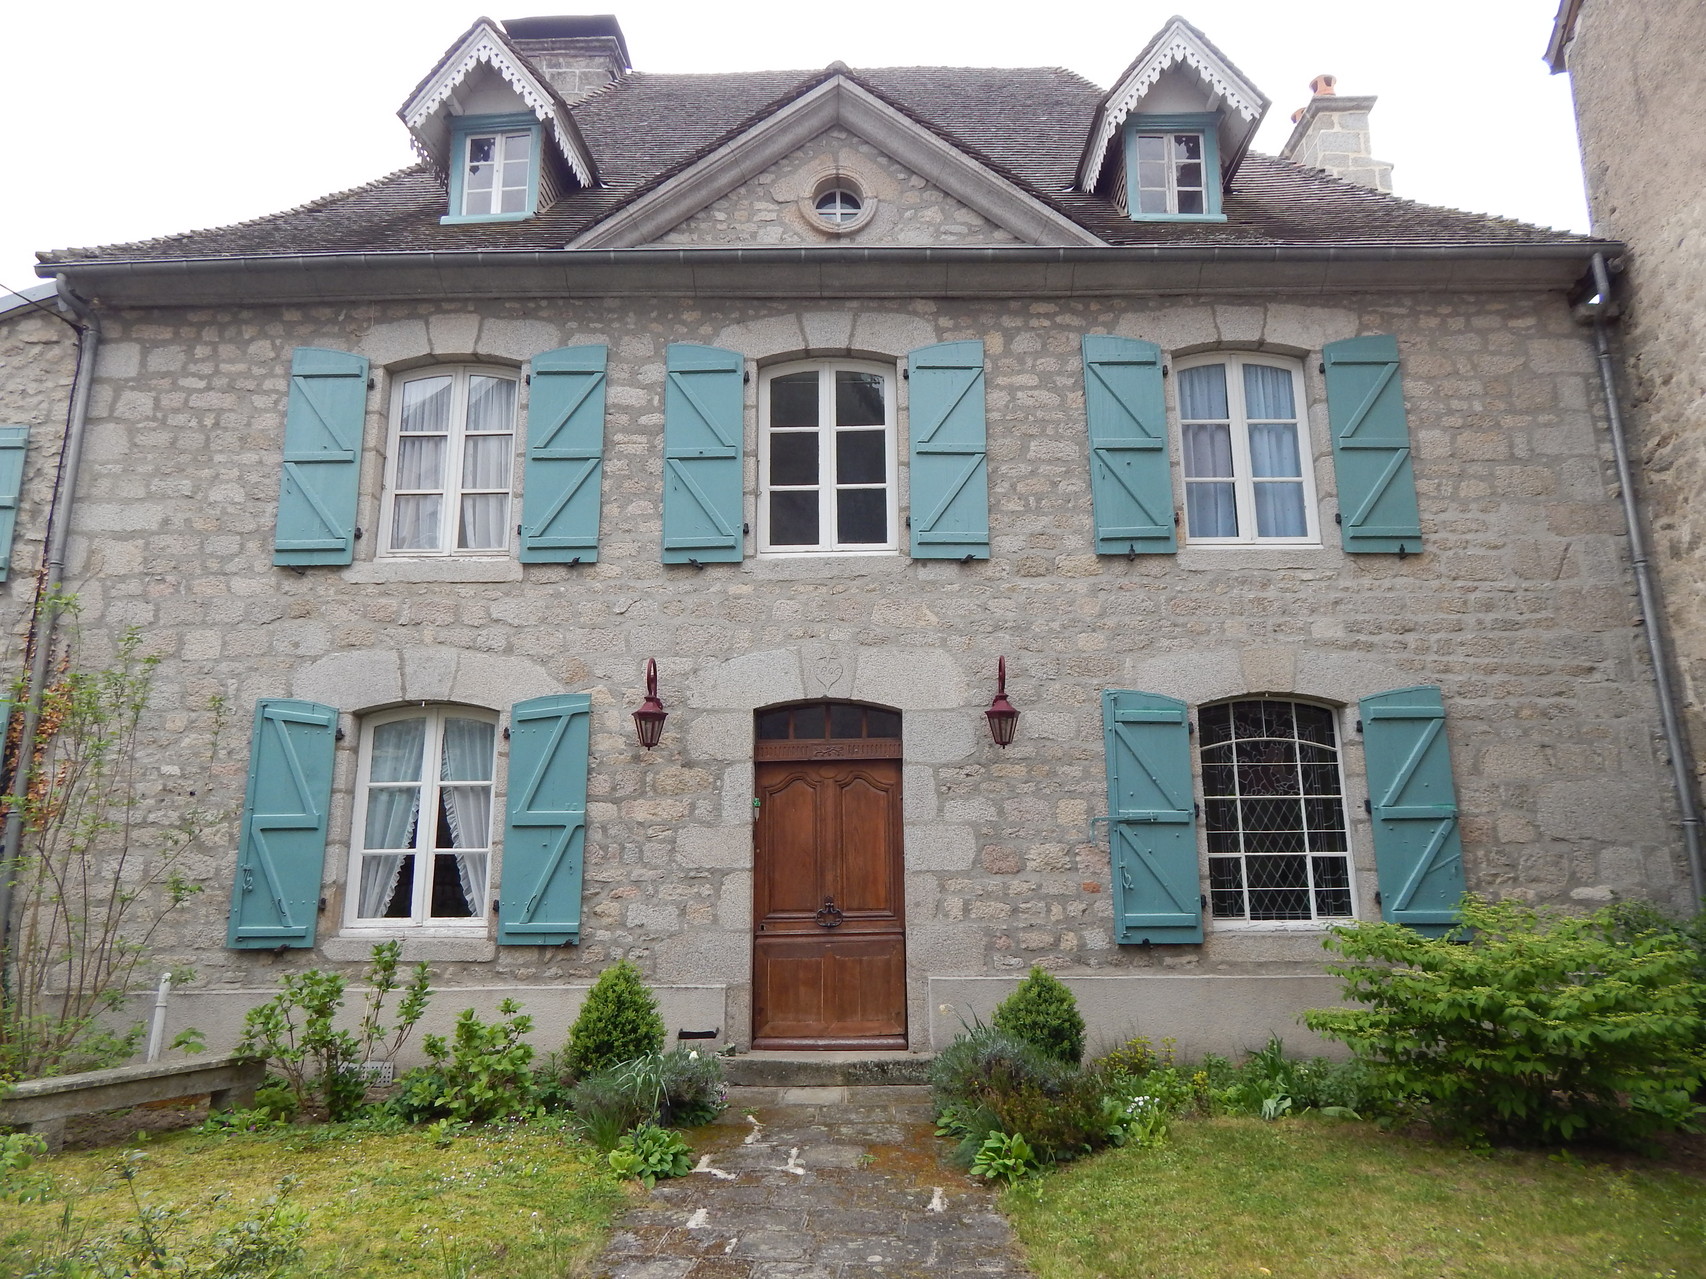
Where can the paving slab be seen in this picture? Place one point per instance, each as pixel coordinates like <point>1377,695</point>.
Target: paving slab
<point>816,1182</point>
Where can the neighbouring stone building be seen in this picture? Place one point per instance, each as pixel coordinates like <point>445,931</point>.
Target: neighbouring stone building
<point>1634,73</point>
<point>1282,499</point>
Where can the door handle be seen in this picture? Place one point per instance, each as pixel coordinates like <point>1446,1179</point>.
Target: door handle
<point>829,914</point>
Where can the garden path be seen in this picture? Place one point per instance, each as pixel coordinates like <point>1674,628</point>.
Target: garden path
<point>838,1182</point>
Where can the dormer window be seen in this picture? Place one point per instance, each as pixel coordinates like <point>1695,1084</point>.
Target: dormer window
<point>1173,168</point>
<point>495,171</point>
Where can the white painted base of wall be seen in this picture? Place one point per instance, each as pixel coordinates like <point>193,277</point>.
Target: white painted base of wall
<point>1202,1013</point>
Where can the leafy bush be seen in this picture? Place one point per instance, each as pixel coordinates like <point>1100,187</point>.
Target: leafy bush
<point>649,1153</point>
<point>618,1023</point>
<point>294,1032</point>
<point>1135,1058</point>
<point>1006,1158</point>
<point>1042,1012</point>
<point>1525,1026</point>
<point>483,1072</point>
<point>987,1081</point>
<point>1270,1084</point>
<point>681,1089</point>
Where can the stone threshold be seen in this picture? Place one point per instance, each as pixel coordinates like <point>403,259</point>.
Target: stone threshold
<point>772,1069</point>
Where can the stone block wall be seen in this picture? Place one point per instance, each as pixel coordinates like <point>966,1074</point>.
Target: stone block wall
<point>1635,75</point>
<point>1520,608</point>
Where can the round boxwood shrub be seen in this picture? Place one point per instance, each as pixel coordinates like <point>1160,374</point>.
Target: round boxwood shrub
<point>1043,1013</point>
<point>618,1023</point>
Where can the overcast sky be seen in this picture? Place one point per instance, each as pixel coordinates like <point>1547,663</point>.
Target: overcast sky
<point>172,116</point>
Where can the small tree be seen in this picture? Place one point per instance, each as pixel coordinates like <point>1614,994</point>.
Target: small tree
<point>1043,1013</point>
<point>100,863</point>
<point>618,1022</point>
<point>1522,1025</point>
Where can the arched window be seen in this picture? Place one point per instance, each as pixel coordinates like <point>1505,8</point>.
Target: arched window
<point>1274,812</point>
<point>450,467</point>
<point>421,850</point>
<point>1244,438</point>
<point>826,459</point>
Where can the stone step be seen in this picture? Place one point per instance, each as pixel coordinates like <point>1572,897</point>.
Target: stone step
<point>765,1069</point>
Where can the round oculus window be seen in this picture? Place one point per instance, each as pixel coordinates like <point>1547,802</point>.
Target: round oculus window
<point>839,207</point>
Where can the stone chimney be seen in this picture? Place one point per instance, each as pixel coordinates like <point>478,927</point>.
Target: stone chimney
<point>578,55</point>
<point>1331,133</point>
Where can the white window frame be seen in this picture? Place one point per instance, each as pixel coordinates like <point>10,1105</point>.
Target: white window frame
<point>1318,923</point>
<point>418,922</point>
<point>1243,477</point>
<point>1170,192</point>
<point>456,442</point>
<point>827,545</point>
<point>504,142</point>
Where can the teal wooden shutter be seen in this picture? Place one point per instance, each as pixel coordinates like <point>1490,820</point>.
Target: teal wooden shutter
<point>539,902</point>
<point>322,458</point>
<point>949,453</point>
<point>1131,478</point>
<point>1371,446</point>
<point>561,486</point>
<point>1152,827</point>
<point>13,440</point>
<point>1418,850</point>
<point>281,849</point>
<point>703,413</point>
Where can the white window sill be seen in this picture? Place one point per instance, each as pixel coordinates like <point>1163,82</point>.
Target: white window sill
<point>437,568</point>
<point>443,947</point>
<point>1278,925</point>
<point>1220,556</point>
<point>875,552</point>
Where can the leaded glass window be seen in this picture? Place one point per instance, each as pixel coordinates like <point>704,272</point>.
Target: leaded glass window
<point>1274,812</point>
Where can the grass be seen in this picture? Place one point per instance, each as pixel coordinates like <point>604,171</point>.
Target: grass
<point>1313,1199</point>
<point>510,1202</point>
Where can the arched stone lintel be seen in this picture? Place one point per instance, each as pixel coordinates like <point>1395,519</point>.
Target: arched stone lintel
<point>369,679</point>
<point>1215,675</point>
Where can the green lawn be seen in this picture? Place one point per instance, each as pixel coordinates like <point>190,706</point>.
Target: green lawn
<point>523,1202</point>
<point>1313,1199</point>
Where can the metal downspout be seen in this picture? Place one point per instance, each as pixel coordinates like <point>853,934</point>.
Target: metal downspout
<point>88,326</point>
<point>1652,615</point>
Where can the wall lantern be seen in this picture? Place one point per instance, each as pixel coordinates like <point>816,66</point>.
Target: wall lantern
<point>648,720</point>
<point>1003,716</point>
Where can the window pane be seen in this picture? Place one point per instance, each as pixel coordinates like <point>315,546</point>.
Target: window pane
<point>451,885</point>
<point>486,462</point>
<point>882,723</point>
<point>1268,393</point>
<point>1152,200</point>
<point>1273,450</point>
<point>1151,146</point>
<point>1189,175</point>
<point>859,457</point>
<point>1187,146</point>
<point>793,458</point>
<point>482,150</point>
<point>1279,510</point>
<point>387,886</point>
<point>793,400</point>
<point>420,462</point>
<point>1202,393</point>
<point>846,721</point>
<point>415,523</point>
<point>1208,451</point>
<point>514,200</point>
<point>1190,202</point>
<point>772,726</point>
<point>392,812</point>
<point>467,753</point>
<point>1210,510</point>
<point>862,516</point>
<point>810,721</point>
<point>491,403</point>
<point>1226,887</point>
<point>426,405</point>
<point>793,519</point>
<point>484,525</point>
<point>397,748</point>
<point>1215,724</point>
<point>858,398</point>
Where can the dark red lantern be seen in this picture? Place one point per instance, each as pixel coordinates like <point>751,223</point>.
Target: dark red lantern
<point>648,720</point>
<point>1003,716</point>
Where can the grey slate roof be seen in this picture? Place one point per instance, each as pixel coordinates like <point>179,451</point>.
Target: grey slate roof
<point>1029,124</point>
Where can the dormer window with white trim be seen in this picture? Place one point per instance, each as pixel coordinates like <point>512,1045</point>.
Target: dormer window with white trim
<point>496,173</point>
<point>1173,168</point>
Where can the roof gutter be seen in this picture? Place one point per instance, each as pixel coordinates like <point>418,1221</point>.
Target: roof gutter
<point>39,644</point>
<point>840,271</point>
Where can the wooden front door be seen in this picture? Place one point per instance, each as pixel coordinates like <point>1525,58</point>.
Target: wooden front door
<point>829,944</point>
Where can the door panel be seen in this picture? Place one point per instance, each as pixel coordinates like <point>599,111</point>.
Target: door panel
<point>829,831</point>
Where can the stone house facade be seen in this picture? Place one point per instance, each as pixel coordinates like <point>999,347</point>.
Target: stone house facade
<point>1632,73</point>
<point>1280,501</point>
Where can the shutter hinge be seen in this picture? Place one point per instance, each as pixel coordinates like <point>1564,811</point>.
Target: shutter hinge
<point>506,732</point>
<point>909,521</point>
<point>1197,809</point>
<point>906,375</point>
<point>358,532</point>
<point>746,528</point>
<point>1131,552</point>
<point>1202,901</point>
<point>494,905</point>
<point>575,561</point>
<point>1338,517</point>
<point>695,563</point>
<point>1403,551</point>
<point>322,906</point>
<point>746,377</point>
<point>338,736</point>
<point>371,384</point>
<point>969,557</point>
<point>1321,367</point>
<point>1165,371</point>
<point>1368,806</point>
<point>1377,900</point>
<point>527,380</point>
<point>1176,519</point>
<point>1359,728</point>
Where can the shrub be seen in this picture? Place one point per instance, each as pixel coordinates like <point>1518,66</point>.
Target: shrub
<point>988,1081</point>
<point>681,1089</point>
<point>1270,1084</point>
<point>618,1022</point>
<point>483,1072</point>
<point>1042,1012</point>
<point>1525,1026</point>
<point>649,1153</point>
<point>1003,1158</point>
